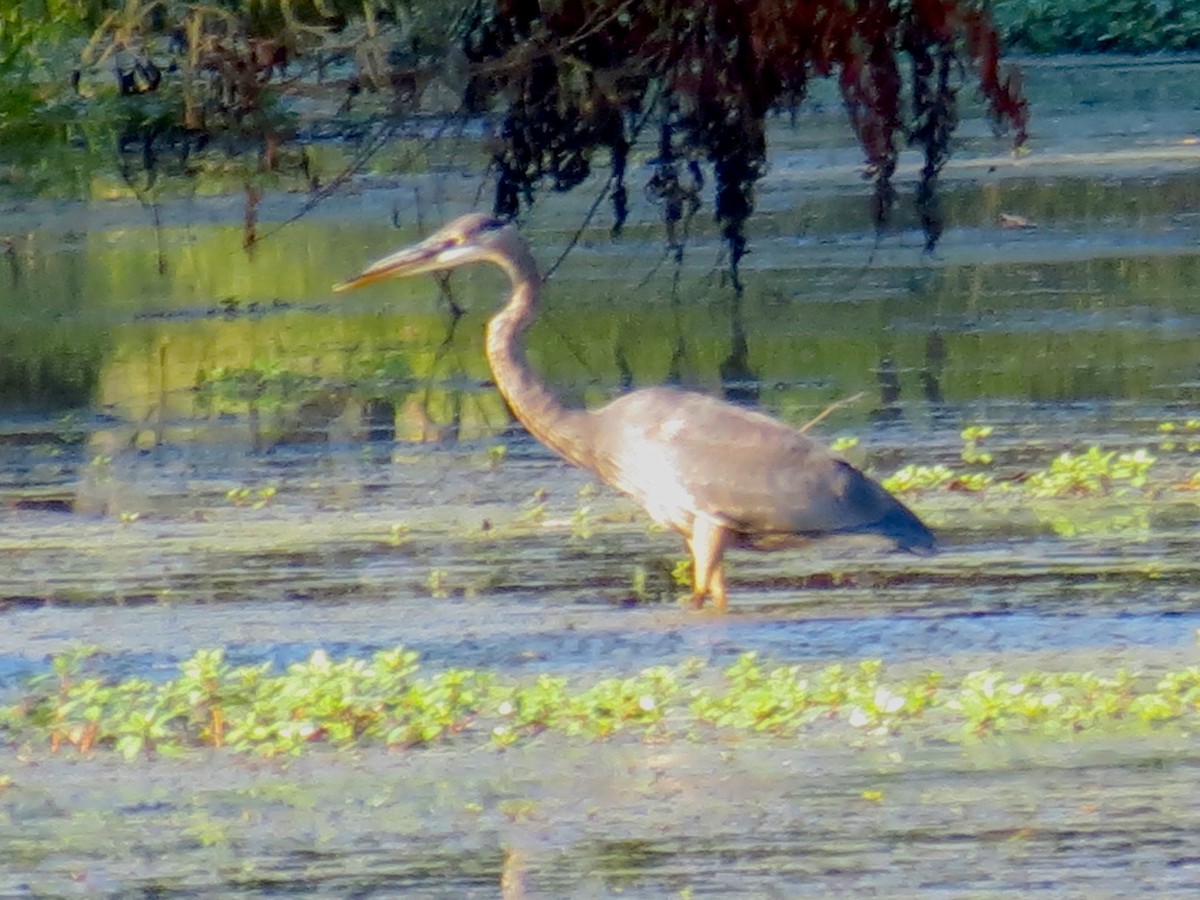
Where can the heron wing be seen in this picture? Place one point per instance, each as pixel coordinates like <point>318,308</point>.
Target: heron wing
<point>683,454</point>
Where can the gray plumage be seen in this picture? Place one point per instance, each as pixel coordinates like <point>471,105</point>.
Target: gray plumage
<point>719,474</point>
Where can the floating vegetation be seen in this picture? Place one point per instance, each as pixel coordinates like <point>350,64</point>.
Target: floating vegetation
<point>1093,491</point>
<point>439,584</point>
<point>918,478</point>
<point>1183,436</point>
<point>269,385</point>
<point>495,455</point>
<point>254,498</point>
<point>971,452</point>
<point>389,701</point>
<point>1094,472</point>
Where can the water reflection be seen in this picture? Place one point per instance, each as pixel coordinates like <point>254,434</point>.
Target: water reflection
<point>659,821</point>
<point>89,323</point>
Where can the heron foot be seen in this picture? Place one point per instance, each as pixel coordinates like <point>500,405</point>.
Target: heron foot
<point>720,601</point>
<point>707,543</point>
<point>716,588</point>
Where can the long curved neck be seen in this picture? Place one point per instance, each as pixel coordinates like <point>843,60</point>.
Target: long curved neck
<point>568,432</point>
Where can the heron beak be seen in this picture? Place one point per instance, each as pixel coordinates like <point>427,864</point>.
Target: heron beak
<point>423,257</point>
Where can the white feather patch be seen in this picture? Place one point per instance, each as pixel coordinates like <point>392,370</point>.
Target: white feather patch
<point>650,474</point>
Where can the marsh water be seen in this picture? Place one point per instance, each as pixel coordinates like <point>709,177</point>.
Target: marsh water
<point>201,447</point>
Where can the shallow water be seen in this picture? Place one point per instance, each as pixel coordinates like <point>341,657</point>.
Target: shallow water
<point>634,820</point>
<point>380,498</point>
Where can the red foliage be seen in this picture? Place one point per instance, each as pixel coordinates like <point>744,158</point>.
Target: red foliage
<point>579,76</point>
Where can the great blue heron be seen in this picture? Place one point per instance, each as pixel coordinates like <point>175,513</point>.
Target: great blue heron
<point>719,474</point>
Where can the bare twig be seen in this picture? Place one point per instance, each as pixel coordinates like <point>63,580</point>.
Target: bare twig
<point>827,411</point>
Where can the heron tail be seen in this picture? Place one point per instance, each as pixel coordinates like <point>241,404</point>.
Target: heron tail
<point>901,525</point>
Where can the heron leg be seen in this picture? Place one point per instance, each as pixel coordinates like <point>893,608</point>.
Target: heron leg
<point>717,587</point>
<point>707,543</point>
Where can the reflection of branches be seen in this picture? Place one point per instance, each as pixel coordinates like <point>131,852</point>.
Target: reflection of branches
<point>679,351</point>
<point>442,279</point>
<point>143,198</point>
<point>613,179</point>
<point>683,203</point>
<point>888,376</point>
<point>10,254</point>
<point>377,142</point>
<point>739,380</point>
<point>679,202</point>
<point>449,432</point>
<point>931,372</point>
<point>250,216</point>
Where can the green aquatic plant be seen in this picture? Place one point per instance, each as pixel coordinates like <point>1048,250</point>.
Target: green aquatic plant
<point>645,584</point>
<point>1054,703</point>
<point>775,701</point>
<point>389,700</point>
<point>972,436</point>
<point>1072,522</point>
<point>265,384</point>
<point>379,374</point>
<point>639,584</point>
<point>204,689</point>
<point>439,584</point>
<point>399,534</point>
<point>918,478</point>
<point>1093,472</point>
<point>530,711</point>
<point>661,580</point>
<point>437,707</point>
<point>253,498</point>
<point>681,573</point>
<point>973,481</point>
<point>785,698</point>
<point>1183,436</point>
<point>1176,695</point>
<point>58,701</point>
<point>619,704</point>
<point>581,522</point>
<point>534,509</point>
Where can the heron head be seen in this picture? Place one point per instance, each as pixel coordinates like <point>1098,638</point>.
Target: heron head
<point>470,238</point>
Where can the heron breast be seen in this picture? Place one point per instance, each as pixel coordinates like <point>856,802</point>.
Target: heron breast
<point>650,473</point>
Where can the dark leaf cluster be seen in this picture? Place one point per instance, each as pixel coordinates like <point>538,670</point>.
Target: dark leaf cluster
<point>577,78</point>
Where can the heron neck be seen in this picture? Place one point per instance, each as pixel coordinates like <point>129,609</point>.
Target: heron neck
<point>566,431</point>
